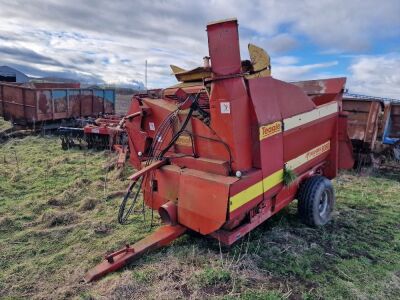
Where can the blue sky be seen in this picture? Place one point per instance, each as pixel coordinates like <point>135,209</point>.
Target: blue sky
<point>109,41</point>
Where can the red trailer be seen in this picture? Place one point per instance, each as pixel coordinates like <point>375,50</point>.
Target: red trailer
<point>373,127</point>
<point>221,155</point>
<point>49,102</point>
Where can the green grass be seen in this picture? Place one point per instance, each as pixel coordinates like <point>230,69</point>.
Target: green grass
<point>58,212</point>
<point>4,125</point>
<point>212,276</point>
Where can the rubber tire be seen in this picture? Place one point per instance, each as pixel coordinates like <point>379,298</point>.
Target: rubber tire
<point>309,195</point>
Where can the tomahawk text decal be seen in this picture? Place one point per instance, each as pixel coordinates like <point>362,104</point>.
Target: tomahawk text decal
<point>309,155</point>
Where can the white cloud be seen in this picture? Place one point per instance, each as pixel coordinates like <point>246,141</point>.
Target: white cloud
<point>375,75</point>
<point>275,44</point>
<point>285,60</point>
<point>110,40</point>
<point>301,72</point>
<point>333,24</point>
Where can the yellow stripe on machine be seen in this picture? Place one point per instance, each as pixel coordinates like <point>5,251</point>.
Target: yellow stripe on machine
<point>274,179</point>
<point>255,190</point>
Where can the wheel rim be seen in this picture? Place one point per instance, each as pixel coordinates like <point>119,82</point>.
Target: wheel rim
<point>323,204</point>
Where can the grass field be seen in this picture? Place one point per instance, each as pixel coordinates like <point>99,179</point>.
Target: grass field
<point>58,212</point>
<point>4,125</point>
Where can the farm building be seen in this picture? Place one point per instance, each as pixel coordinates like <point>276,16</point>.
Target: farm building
<point>12,75</point>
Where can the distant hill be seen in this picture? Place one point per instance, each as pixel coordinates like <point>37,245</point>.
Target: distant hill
<point>134,85</point>
<point>52,79</point>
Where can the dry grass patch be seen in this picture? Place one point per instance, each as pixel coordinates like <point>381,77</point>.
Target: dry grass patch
<point>6,224</point>
<point>53,218</point>
<point>88,203</point>
<point>102,228</point>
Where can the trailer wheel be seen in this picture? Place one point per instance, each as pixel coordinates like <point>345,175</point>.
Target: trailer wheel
<point>316,200</point>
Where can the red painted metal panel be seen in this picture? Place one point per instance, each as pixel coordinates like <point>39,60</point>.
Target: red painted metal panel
<point>223,45</point>
<point>13,103</point>
<point>208,143</point>
<point>170,93</point>
<point>331,168</point>
<point>165,189</point>
<point>30,104</point>
<point>220,167</point>
<point>114,261</point>
<point>74,103</point>
<point>230,119</point>
<point>301,139</point>
<point>286,195</point>
<point>276,100</point>
<point>272,158</point>
<point>98,102</point>
<point>44,105</point>
<point>60,103</point>
<point>346,160</point>
<point>203,200</point>
<point>363,123</point>
<point>86,100</point>
<point>138,136</point>
<point>331,86</point>
<point>246,181</point>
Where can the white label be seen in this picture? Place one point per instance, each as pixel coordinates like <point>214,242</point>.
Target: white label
<point>152,127</point>
<point>95,130</point>
<point>225,108</point>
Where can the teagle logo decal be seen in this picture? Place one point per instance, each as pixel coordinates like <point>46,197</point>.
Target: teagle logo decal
<point>270,130</point>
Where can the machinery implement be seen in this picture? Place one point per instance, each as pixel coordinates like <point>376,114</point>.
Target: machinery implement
<point>102,133</point>
<point>230,146</point>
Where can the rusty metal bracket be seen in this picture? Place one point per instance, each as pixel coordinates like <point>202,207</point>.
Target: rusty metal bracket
<point>115,261</point>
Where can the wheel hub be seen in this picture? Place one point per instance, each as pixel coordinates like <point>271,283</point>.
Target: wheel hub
<point>323,204</point>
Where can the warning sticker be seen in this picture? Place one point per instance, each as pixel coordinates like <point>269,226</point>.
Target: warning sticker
<point>225,107</point>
